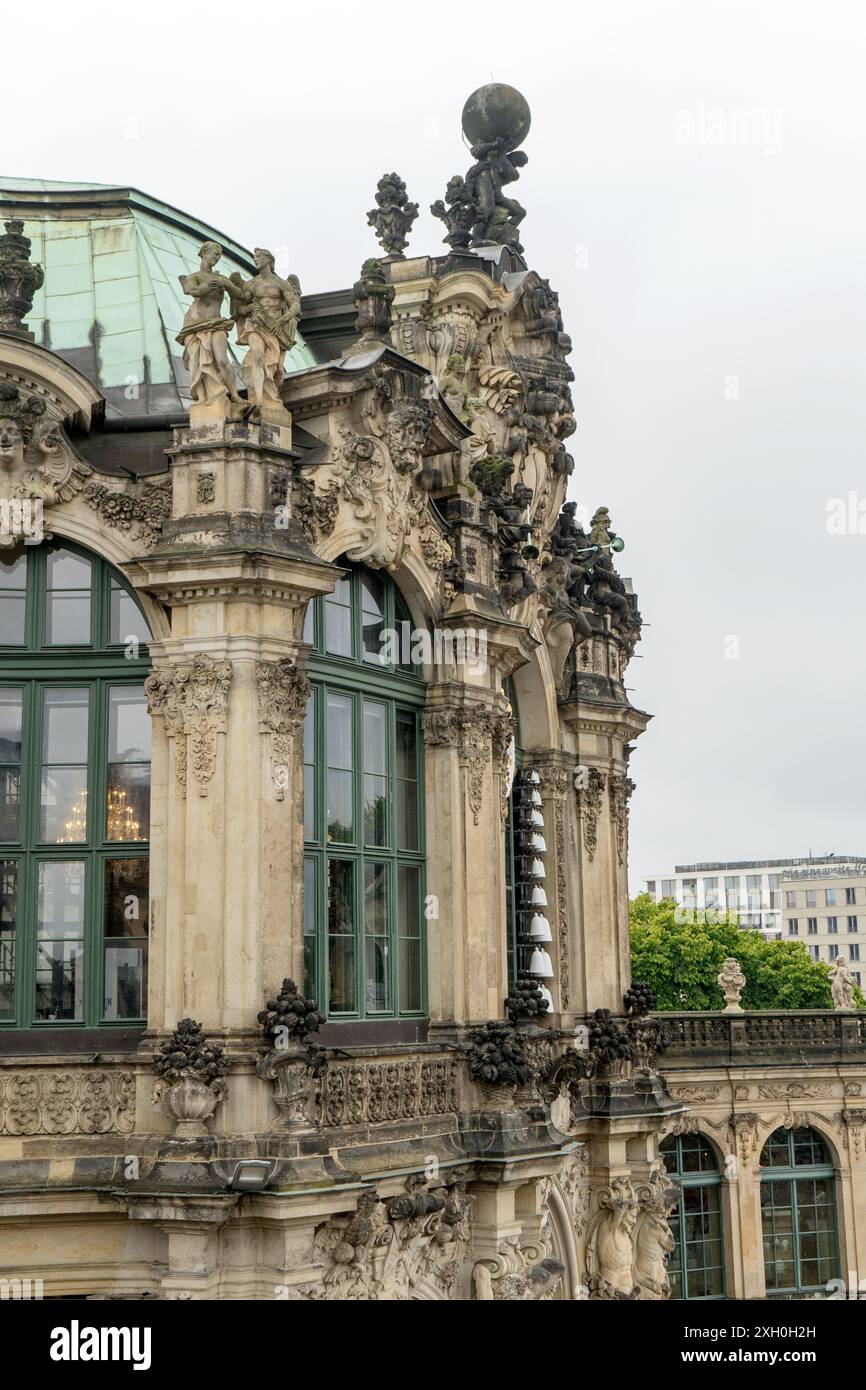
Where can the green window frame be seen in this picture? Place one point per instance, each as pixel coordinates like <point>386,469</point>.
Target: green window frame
<point>364,832</point>
<point>74,792</point>
<point>798,1213</point>
<point>697,1264</point>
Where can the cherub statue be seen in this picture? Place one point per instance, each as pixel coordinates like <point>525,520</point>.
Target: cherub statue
<point>267,311</point>
<point>204,334</point>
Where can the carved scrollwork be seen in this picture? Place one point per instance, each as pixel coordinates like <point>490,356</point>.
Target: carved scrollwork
<point>67,1102</point>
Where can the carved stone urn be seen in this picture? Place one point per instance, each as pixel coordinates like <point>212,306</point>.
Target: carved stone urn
<point>190,1070</point>
<point>191,1102</point>
<point>293,1082</point>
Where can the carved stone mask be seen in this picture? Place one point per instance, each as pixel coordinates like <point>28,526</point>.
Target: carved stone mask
<point>11,444</point>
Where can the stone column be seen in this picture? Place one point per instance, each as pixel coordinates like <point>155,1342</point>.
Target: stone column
<point>465,858</point>
<point>228,694</point>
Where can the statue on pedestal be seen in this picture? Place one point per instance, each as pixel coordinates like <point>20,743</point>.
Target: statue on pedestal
<point>841,984</point>
<point>204,337</point>
<point>267,311</point>
<point>732,982</point>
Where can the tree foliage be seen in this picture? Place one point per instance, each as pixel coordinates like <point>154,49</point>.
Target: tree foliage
<point>681,960</point>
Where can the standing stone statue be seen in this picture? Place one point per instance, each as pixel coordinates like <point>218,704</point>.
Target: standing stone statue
<point>732,982</point>
<point>267,310</point>
<point>204,337</point>
<point>841,984</point>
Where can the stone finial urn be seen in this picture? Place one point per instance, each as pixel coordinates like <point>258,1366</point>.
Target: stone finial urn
<point>190,1071</point>
<point>732,982</point>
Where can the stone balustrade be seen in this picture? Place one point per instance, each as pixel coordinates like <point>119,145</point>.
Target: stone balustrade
<point>782,1036</point>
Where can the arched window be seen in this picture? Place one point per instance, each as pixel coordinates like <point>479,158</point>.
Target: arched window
<point>697,1267</point>
<point>798,1212</point>
<point>74,791</point>
<point>364,805</point>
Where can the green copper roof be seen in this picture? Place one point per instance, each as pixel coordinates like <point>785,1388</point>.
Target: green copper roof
<point>111,304</point>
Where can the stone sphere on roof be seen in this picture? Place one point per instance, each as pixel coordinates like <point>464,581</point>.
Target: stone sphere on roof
<point>496,112</point>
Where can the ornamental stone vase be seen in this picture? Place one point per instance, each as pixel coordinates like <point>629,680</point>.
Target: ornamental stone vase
<point>191,1102</point>
<point>293,1080</point>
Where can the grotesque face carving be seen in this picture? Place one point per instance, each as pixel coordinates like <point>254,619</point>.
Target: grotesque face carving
<point>11,445</point>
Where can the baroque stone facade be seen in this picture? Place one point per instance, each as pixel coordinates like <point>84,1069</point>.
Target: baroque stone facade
<point>420,438</point>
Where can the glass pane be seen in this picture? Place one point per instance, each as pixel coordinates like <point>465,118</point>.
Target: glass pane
<point>60,899</point>
<point>338,619</point>
<point>339,731</point>
<point>67,618</point>
<point>341,820</point>
<point>129,727</point>
<point>67,571</point>
<point>12,616</point>
<point>372,594</point>
<point>406,799</point>
<point>310,938</point>
<point>64,726</point>
<point>377,975</point>
<point>126,621</point>
<point>125,981</point>
<point>59,980</point>
<point>127,807</point>
<point>376,899</point>
<point>340,817</point>
<point>410,976</point>
<point>10,725</point>
<point>341,929</point>
<point>127,897</point>
<point>8,920</point>
<point>310,818</point>
<point>63,805</point>
<point>375,810</point>
<point>408,890</point>
<point>10,763</point>
<point>372,617</point>
<point>310,623</point>
<point>375,735</point>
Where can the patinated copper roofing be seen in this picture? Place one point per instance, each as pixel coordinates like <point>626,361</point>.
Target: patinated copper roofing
<point>111,304</point>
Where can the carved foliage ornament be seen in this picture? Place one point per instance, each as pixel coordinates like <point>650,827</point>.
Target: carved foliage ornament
<point>284,693</point>
<point>37,462</point>
<point>589,803</point>
<point>67,1102</point>
<point>377,471</point>
<point>192,697</point>
<point>409,1246</point>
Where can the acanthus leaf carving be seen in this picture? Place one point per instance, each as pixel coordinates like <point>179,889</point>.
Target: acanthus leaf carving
<point>192,698</point>
<point>284,693</point>
<point>589,803</point>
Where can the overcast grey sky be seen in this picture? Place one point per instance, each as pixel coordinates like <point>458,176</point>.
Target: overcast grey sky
<point>695,191</point>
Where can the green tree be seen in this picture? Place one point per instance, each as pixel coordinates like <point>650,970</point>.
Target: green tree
<point>681,960</point>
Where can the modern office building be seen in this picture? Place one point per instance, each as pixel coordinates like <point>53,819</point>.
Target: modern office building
<point>814,897</point>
